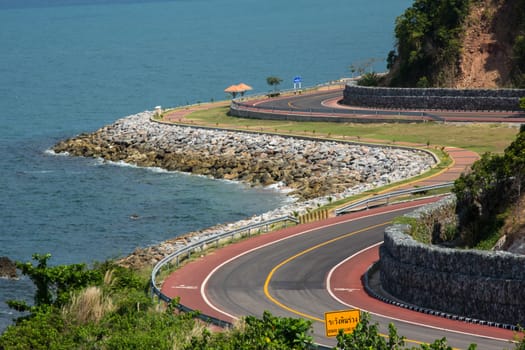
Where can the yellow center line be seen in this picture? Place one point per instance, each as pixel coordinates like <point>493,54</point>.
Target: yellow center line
<point>308,250</point>
<point>274,270</point>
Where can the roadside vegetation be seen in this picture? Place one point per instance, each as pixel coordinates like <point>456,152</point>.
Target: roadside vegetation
<point>108,307</point>
<point>490,196</point>
<point>490,204</point>
<point>273,82</point>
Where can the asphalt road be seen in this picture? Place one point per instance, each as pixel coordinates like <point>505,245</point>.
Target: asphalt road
<point>324,103</point>
<point>288,278</point>
<point>303,102</point>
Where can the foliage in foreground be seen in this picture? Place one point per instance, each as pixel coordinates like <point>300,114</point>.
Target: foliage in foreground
<point>269,332</point>
<point>115,312</point>
<point>366,336</point>
<point>106,307</point>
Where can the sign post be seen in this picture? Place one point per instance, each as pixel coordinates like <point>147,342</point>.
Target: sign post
<point>297,82</point>
<point>346,320</point>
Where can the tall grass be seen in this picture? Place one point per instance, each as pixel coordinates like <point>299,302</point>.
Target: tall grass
<point>90,305</point>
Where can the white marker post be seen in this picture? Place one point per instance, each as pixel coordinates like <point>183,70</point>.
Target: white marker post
<point>297,82</point>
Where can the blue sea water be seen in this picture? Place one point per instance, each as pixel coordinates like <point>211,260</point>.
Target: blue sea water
<point>72,66</point>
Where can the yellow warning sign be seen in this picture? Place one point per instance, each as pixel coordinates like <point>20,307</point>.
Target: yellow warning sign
<point>345,320</point>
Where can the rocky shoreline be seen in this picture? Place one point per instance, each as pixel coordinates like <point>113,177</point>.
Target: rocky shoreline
<point>314,172</point>
<point>7,268</point>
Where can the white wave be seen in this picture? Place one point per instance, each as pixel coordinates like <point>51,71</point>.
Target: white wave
<point>279,187</point>
<point>53,153</point>
<point>37,172</point>
<point>9,278</point>
<point>120,163</point>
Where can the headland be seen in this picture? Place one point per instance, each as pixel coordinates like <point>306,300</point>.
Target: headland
<point>314,172</point>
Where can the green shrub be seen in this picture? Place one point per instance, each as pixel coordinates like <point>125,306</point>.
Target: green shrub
<point>268,332</point>
<point>369,79</point>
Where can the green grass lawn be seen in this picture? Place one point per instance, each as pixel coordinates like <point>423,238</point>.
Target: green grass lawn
<point>480,138</point>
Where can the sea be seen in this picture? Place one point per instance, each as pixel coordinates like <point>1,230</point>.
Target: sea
<point>73,66</point>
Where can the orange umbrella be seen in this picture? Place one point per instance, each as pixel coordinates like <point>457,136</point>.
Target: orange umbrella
<point>243,87</point>
<point>233,89</point>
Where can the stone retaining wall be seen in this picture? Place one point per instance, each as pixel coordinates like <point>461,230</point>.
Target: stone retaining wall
<point>236,110</point>
<point>477,284</point>
<point>438,99</point>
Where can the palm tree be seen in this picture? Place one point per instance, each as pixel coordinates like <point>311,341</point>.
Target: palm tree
<point>274,81</point>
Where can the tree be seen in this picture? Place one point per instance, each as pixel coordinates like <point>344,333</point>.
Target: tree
<point>273,81</point>
<point>352,69</point>
<point>54,284</point>
<point>493,185</point>
<point>369,79</point>
<point>366,336</point>
<point>518,62</point>
<point>428,42</point>
<point>391,59</point>
<point>361,67</point>
<point>522,103</point>
<point>268,332</point>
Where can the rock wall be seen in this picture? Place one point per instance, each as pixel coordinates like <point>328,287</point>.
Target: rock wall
<point>311,168</point>
<point>7,268</point>
<point>437,99</point>
<point>477,284</point>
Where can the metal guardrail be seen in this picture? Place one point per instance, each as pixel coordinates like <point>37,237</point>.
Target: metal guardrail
<point>386,196</point>
<point>199,245</point>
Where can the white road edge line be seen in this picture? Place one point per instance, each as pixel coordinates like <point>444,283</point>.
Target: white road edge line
<point>205,282</point>
<point>329,290</point>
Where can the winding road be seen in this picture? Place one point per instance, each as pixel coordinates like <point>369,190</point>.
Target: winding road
<point>309,269</point>
<point>305,271</point>
<point>324,104</point>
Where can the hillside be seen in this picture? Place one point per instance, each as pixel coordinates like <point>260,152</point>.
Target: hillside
<point>461,44</point>
<point>486,58</point>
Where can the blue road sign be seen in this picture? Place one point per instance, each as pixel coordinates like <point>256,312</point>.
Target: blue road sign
<point>297,79</point>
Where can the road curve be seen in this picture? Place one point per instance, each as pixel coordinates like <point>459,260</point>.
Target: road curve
<point>249,277</point>
<point>230,282</point>
<point>325,103</point>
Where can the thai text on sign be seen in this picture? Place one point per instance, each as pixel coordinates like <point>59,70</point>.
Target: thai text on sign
<point>346,320</point>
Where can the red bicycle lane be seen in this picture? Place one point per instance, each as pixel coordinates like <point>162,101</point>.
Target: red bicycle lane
<point>346,286</point>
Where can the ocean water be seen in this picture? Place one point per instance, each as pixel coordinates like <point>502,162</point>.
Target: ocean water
<point>72,66</point>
